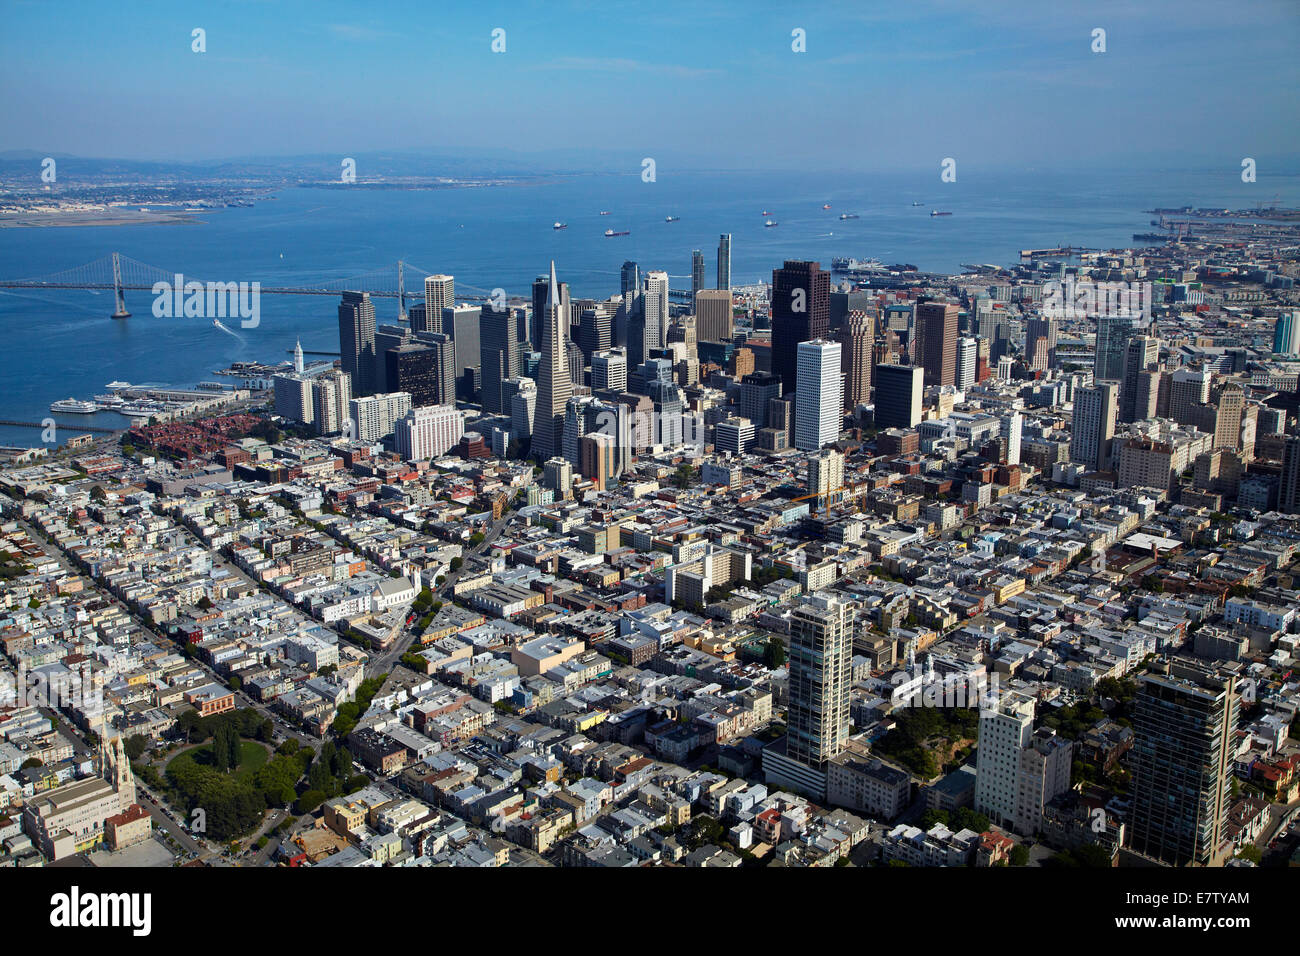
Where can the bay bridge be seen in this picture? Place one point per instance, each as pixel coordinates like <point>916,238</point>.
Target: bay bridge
<point>122,274</point>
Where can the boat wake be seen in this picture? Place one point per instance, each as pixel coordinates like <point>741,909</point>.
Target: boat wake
<point>217,323</point>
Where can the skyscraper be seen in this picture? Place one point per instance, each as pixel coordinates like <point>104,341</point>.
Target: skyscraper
<point>499,356</point>
<point>821,651</point>
<point>439,294</point>
<point>655,306</point>
<point>800,313</point>
<point>1184,718</point>
<point>1093,426</point>
<point>898,396</point>
<point>609,371</point>
<point>1142,354</point>
<point>697,271</point>
<point>428,432</point>
<point>462,323</point>
<point>967,356</point>
<point>357,340</point>
<point>444,365</point>
<point>724,261</point>
<point>1004,731</point>
<point>413,368</point>
<point>331,397</point>
<point>1113,334</point>
<point>857,340</point>
<point>554,387</point>
<point>373,416</point>
<point>1286,334</point>
<point>387,337</point>
<point>819,397</point>
<point>757,389</point>
<point>1188,389</point>
<point>1288,491</point>
<point>936,342</point>
<point>1040,343</point>
<point>713,322</point>
<point>541,293</point>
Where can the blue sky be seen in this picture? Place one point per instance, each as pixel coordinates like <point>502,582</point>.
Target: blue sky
<point>881,86</point>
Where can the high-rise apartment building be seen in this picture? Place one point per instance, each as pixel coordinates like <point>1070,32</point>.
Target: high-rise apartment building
<point>373,416</point>
<point>331,398</point>
<point>1141,355</point>
<point>1005,731</point>
<point>1184,719</point>
<point>821,678</point>
<point>1040,343</point>
<point>428,432</point>
<point>967,356</point>
<point>1286,334</point>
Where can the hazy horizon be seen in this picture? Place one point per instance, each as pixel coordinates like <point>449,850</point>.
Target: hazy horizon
<point>1004,86</point>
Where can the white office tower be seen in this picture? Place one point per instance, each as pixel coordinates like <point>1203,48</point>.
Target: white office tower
<point>1004,732</point>
<point>373,416</point>
<point>733,435</point>
<point>1095,411</point>
<point>439,294</point>
<point>331,397</point>
<point>967,354</point>
<point>523,409</point>
<point>609,371</point>
<point>428,432</point>
<point>1004,368</point>
<point>818,395</point>
<point>1012,424</point>
<point>655,303</point>
<point>293,398</point>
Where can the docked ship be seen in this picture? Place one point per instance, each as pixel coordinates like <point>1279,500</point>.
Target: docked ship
<point>842,264</point>
<point>560,225</point>
<point>935,212</point>
<point>71,406</point>
<point>849,215</point>
<point>1150,237</point>
<point>609,233</point>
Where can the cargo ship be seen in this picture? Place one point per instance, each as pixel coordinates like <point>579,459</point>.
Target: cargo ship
<point>849,215</point>
<point>560,225</point>
<point>769,224</point>
<point>671,218</point>
<point>609,233</point>
<point>935,212</point>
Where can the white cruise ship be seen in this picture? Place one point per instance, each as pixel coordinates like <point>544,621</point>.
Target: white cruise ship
<point>71,406</point>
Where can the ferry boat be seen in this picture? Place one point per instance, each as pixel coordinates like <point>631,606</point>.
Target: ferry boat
<point>769,224</point>
<point>560,225</point>
<point>114,386</point>
<point>671,218</point>
<point>71,406</point>
<point>849,215</point>
<point>610,233</point>
<point>826,205</point>
<point>935,212</point>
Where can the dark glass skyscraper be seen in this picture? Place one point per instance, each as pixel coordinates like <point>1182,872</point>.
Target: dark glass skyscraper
<point>500,356</point>
<point>800,313</point>
<point>357,341</point>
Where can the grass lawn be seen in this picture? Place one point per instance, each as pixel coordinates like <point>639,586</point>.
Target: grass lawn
<point>252,756</point>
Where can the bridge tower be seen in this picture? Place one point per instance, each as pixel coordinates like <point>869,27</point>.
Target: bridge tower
<point>401,291</point>
<point>118,296</point>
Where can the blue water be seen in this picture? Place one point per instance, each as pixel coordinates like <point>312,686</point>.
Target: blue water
<point>64,344</point>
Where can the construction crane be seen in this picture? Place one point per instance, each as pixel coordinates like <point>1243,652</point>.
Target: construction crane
<point>850,486</point>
